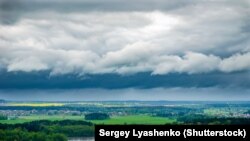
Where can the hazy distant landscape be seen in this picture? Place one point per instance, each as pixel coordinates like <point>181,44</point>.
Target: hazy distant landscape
<point>68,120</point>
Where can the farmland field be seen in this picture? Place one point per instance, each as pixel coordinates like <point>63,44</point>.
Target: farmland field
<point>132,119</point>
<point>23,119</point>
<point>135,119</point>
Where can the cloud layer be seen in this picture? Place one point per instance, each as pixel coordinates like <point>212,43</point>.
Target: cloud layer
<point>184,37</point>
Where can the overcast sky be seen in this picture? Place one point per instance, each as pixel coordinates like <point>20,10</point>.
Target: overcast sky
<point>125,38</point>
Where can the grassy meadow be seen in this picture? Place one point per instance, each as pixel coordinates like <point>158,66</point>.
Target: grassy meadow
<point>131,119</point>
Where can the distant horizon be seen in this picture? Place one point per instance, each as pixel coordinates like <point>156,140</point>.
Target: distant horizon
<point>155,94</point>
<point>212,101</point>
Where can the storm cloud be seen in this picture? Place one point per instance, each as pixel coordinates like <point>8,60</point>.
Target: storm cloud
<point>125,37</point>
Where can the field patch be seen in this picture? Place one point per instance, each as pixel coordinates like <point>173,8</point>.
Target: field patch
<point>135,119</point>
<point>132,119</point>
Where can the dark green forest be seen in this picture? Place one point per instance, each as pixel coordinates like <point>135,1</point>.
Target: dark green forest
<point>45,130</point>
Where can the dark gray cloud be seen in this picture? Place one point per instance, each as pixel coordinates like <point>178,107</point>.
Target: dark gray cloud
<point>12,10</point>
<point>9,11</point>
<point>42,80</point>
<point>104,5</point>
<point>15,8</point>
<point>125,37</point>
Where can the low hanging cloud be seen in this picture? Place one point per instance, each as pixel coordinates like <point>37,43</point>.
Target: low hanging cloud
<point>188,37</point>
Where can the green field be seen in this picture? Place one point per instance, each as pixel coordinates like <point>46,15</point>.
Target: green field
<point>23,119</point>
<point>133,119</point>
<point>14,121</point>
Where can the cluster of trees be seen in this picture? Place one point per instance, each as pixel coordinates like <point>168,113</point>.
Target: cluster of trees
<point>72,130</point>
<point>96,116</point>
<point>247,112</point>
<point>45,130</point>
<point>170,114</point>
<point>23,135</point>
<point>3,117</point>
<point>206,120</point>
